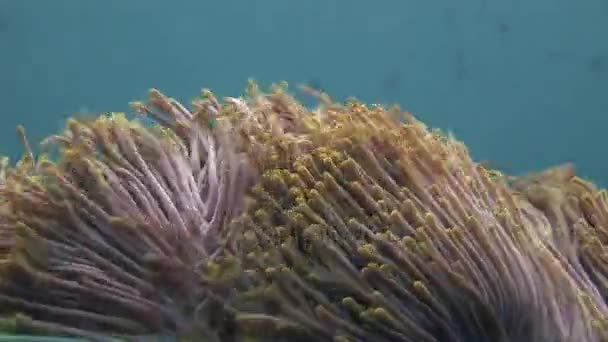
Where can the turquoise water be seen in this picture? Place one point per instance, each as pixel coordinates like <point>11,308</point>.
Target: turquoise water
<point>524,84</point>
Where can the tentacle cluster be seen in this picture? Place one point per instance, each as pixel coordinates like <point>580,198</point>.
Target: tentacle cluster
<point>389,232</point>
<point>106,238</point>
<point>257,219</point>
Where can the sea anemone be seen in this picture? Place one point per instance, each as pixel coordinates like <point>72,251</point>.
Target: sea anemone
<point>390,232</point>
<point>258,219</point>
<point>104,239</point>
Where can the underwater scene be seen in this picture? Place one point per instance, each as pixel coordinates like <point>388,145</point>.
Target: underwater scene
<point>341,171</point>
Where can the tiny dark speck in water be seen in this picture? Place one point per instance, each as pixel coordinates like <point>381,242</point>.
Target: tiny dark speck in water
<point>392,81</point>
<point>597,64</point>
<point>503,27</point>
<point>462,71</point>
<point>3,23</point>
<point>450,17</point>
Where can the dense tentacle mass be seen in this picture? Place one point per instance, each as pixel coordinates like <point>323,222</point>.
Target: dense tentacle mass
<point>256,218</point>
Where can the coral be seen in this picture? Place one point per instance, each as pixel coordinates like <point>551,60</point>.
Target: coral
<point>258,219</point>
